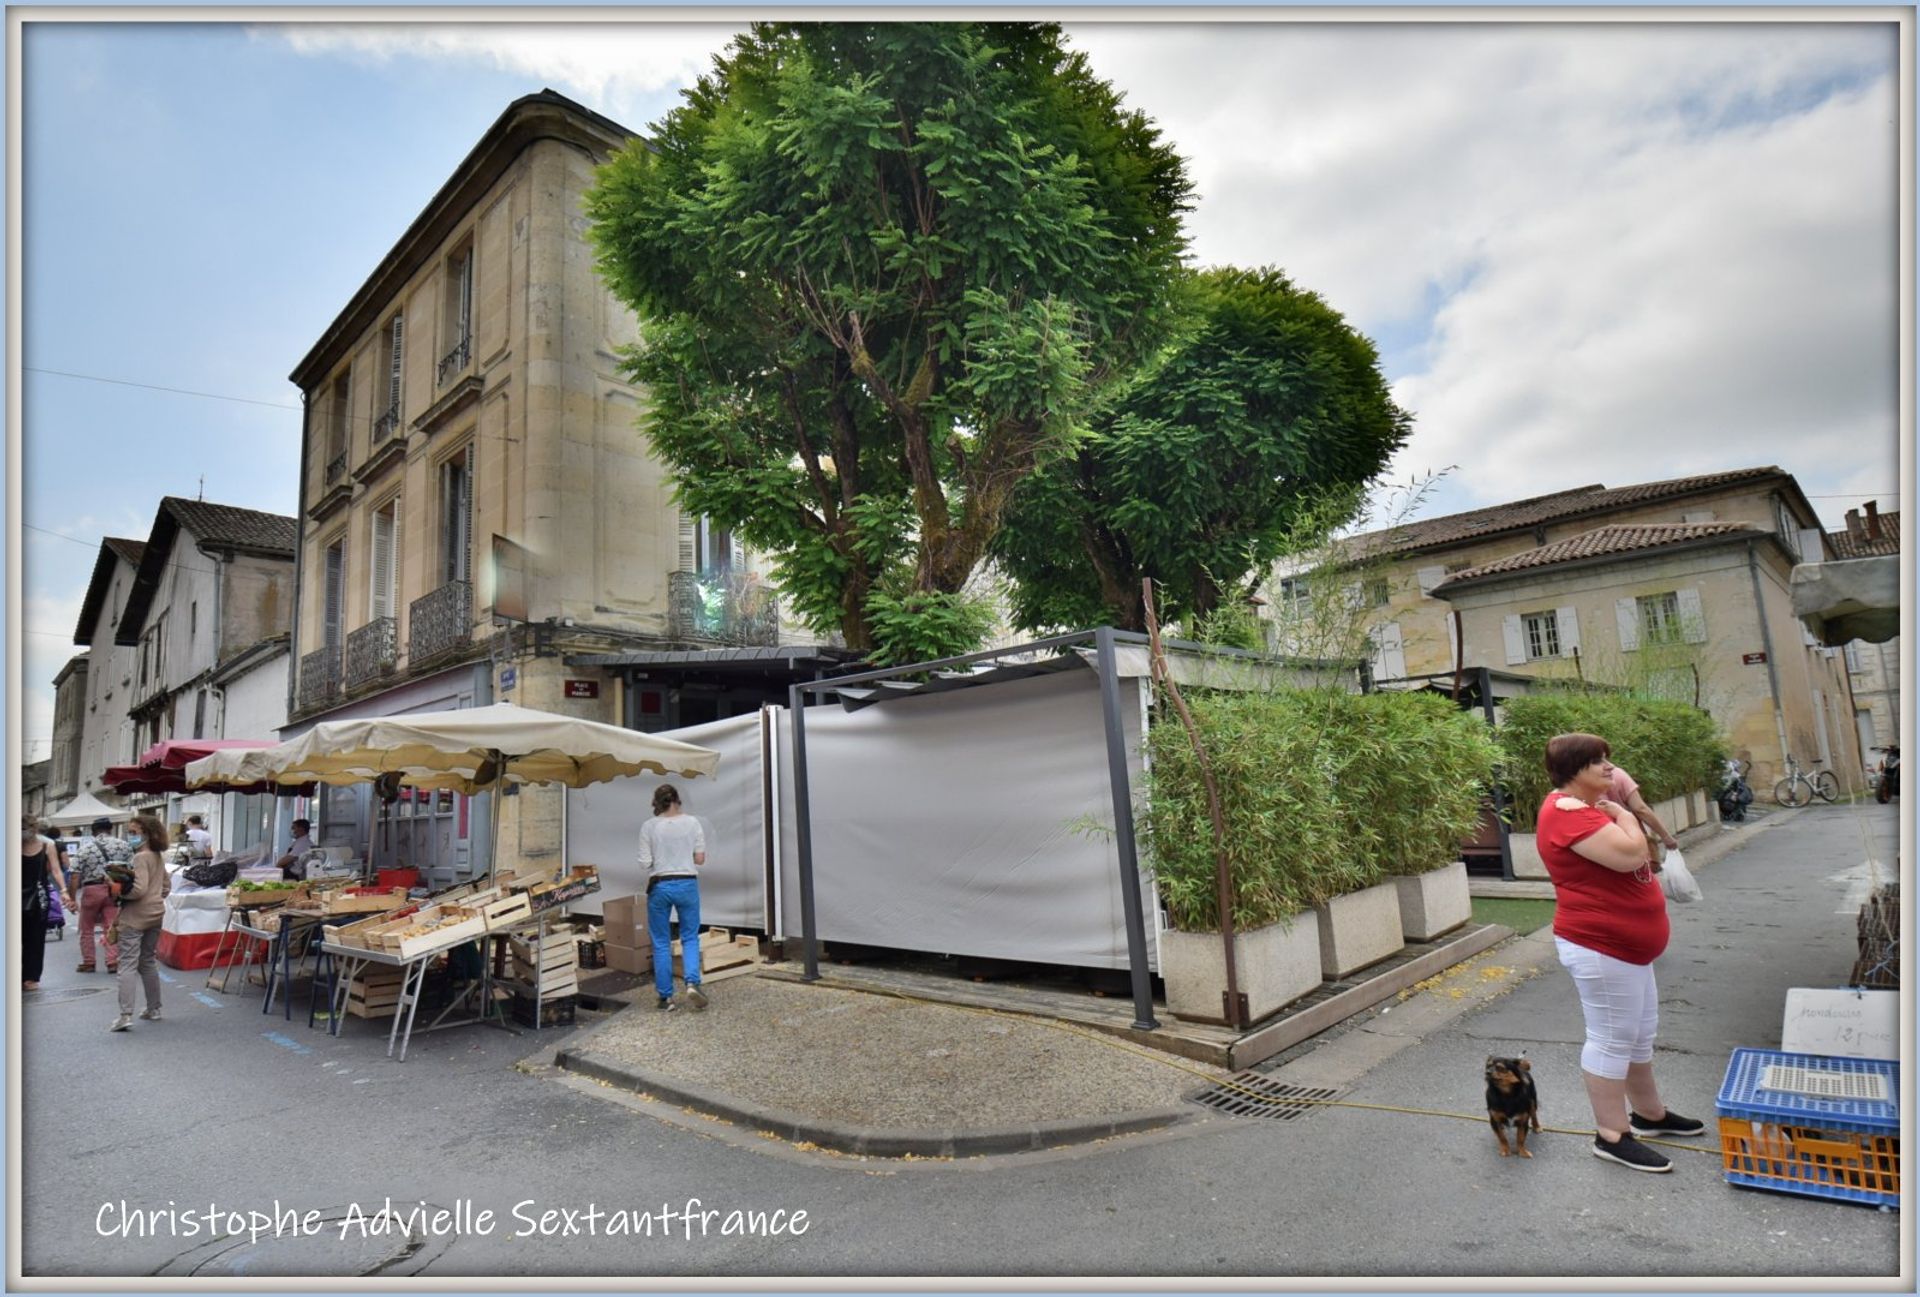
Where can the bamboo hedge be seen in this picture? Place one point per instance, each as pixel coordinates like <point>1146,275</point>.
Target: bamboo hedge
<point>1324,793</point>
<point>1670,748</point>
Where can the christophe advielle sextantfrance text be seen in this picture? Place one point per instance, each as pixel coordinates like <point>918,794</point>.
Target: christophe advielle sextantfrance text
<point>687,1221</point>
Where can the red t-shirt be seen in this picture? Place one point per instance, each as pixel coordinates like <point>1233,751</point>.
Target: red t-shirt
<point>1623,915</point>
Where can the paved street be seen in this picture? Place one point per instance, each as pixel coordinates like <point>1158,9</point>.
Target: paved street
<point>218,1104</point>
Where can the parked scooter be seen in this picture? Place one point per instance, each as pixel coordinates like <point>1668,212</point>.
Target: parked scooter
<point>1735,794</point>
<point>1888,786</point>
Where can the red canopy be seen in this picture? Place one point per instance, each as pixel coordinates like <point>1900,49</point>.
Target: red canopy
<point>162,768</point>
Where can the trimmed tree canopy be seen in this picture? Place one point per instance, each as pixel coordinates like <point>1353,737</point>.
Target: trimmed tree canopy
<point>883,271</point>
<point>1267,402</point>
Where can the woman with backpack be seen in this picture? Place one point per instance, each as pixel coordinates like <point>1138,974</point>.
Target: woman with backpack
<point>39,871</point>
<point>141,891</point>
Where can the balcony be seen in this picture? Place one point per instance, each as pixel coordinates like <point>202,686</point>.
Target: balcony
<point>383,426</point>
<point>454,361</point>
<point>731,608</point>
<point>372,651</point>
<point>336,468</point>
<point>440,622</point>
<point>319,677</point>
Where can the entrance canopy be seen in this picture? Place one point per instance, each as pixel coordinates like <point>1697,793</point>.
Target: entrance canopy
<point>84,810</point>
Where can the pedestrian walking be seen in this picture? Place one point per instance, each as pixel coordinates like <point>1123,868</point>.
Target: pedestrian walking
<point>39,871</point>
<point>1609,925</point>
<point>97,906</point>
<point>142,892</point>
<point>1625,789</point>
<point>673,846</point>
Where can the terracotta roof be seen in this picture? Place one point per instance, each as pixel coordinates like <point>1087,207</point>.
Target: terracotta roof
<point>216,526</point>
<point>111,549</point>
<point>1603,542</point>
<point>1542,509</point>
<point>1846,544</point>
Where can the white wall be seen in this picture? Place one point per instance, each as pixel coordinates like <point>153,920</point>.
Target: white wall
<point>255,704</point>
<point>106,735</point>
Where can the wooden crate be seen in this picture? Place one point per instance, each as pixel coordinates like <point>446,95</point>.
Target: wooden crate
<point>555,981</point>
<point>356,933</point>
<point>451,924</point>
<point>340,902</point>
<point>259,900</point>
<point>362,1010</point>
<point>505,911</point>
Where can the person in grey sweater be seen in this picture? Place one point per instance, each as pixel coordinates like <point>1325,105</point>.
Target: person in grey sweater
<point>141,889</point>
<point>673,846</point>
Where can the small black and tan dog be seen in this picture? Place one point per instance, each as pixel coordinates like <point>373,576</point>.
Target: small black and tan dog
<point>1512,1101</point>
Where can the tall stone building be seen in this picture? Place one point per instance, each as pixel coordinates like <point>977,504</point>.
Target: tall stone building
<point>1874,669</point>
<point>107,734</point>
<point>480,517</point>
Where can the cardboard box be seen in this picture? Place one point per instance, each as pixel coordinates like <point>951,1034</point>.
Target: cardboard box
<point>621,913</point>
<point>629,959</point>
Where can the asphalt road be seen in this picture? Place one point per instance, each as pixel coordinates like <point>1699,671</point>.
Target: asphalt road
<point>217,1105</point>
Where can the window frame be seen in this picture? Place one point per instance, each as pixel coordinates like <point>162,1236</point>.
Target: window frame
<point>1547,625</point>
<point>1660,621</point>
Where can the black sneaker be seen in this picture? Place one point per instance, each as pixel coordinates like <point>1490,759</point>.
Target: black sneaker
<point>1671,1124</point>
<point>667,1004</point>
<point>1630,1152</point>
<point>695,996</point>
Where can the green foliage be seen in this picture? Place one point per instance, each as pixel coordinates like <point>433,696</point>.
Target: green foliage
<point>1670,748</point>
<point>1198,470</point>
<point>924,626</point>
<point>1323,792</point>
<point>884,271</point>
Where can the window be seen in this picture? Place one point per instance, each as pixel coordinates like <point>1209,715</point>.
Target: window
<point>337,425</point>
<point>1294,595</point>
<point>1376,592</point>
<point>1785,524</point>
<point>193,624</point>
<point>456,517</point>
<point>1660,618</point>
<point>382,570</point>
<point>1543,634</point>
<point>200,714</point>
<point>714,551</point>
<point>1853,655</point>
<point>393,347</point>
<point>335,589</point>
<point>457,322</point>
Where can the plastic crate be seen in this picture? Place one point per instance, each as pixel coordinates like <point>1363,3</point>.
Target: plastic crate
<point>1847,1150</point>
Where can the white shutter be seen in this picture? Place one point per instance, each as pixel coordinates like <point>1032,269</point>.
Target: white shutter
<point>1693,621</point>
<point>393,371</point>
<point>1813,547</point>
<point>336,572</point>
<point>736,555</point>
<point>1820,727</point>
<point>1626,614</point>
<point>1516,639</point>
<point>466,295</point>
<point>381,602</point>
<point>1393,657</point>
<point>1430,577</point>
<point>1453,642</point>
<point>1354,595</point>
<point>1568,624</point>
<point>689,541</point>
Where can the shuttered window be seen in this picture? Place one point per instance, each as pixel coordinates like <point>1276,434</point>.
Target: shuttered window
<point>385,560</point>
<point>335,590</point>
<point>396,350</point>
<point>456,529</point>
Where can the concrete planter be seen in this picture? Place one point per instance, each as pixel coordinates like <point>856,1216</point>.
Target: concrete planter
<point>1434,902</point>
<point>1275,966</point>
<point>1526,856</point>
<point>1358,929</point>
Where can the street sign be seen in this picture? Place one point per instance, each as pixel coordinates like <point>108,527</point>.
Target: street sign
<point>1752,659</point>
<point>583,688</point>
<point>509,676</point>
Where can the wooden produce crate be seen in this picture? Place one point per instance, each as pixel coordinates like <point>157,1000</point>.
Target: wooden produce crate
<point>557,981</point>
<point>721,951</point>
<point>261,898</point>
<point>559,891</point>
<point>429,929</point>
<point>355,934</point>
<point>505,911</point>
<point>342,901</point>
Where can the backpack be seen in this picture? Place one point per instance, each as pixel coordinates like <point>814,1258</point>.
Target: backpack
<point>123,881</point>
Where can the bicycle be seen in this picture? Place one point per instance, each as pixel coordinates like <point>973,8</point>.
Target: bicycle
<point>1799,788</point>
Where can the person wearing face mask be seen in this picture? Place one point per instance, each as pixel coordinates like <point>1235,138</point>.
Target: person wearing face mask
<point>97,906</point>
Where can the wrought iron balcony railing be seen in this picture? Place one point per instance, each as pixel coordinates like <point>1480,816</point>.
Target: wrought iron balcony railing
<point>320,677</point>
<point>336,468</point>
<point>439,621</point>
<point>372,651</point>
<point>454,361</point>
<point>722,607</point>
<point>383,426</point>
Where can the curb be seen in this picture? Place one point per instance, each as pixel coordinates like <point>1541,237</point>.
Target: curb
<point>965,1142</point>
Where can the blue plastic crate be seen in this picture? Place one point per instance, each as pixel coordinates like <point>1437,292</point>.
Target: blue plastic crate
<point>1847,1150</point>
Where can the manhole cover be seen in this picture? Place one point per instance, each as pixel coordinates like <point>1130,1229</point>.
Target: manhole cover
<point>1250,1094</point>
<point>64,993</point>
<point>354,1242</point>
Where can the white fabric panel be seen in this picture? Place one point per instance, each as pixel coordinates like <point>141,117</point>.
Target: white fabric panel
<point>603,825</point>
<point>1515,639</point>
<point>958,823</point>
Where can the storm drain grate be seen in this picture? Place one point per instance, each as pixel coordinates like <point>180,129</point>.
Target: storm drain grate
<point>64,993</point>
<point>1249,1094</point>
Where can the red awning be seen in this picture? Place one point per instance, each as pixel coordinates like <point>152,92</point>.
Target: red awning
<point>162,768</point>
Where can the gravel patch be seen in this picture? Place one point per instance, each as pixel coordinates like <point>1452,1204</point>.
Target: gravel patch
<point>857,1059</point>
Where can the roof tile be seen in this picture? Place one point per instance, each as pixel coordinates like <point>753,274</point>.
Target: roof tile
<point>1604,541</point>
<point>1847,545</point>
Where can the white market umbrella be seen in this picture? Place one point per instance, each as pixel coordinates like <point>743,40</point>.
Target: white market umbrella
<point>83,811</point>
<point>472,750</point>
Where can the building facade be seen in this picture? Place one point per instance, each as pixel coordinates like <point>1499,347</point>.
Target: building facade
<point>481,519</point>
<point>69,730</point>
<point>1873,669</point>
<point>107,735</point>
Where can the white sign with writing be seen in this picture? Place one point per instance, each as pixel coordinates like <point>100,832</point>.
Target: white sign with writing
<point>1847,1024</point>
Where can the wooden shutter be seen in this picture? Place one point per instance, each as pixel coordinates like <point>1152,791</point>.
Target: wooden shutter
<point>381,602</point>
<point>336,571</point>
<point>1693,620</point>
<point>1391,663</point>
<point>736,555</point>
<point>1626,615</point>
<point>466,295</point>
<point>459,518</point>
<point>689,541</point>
<point>1516,638</point>
<point>1567,622</point>
<point>393,368</point>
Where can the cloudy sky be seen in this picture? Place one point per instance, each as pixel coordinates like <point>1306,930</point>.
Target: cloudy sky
<point>1588,252</point>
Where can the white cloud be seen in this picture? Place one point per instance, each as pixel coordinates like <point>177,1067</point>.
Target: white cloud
<point>611,66</point>
<point>1646,249</point>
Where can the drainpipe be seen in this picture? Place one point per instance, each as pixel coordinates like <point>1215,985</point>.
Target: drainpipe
<point>299,552</point>
<point>1766,644</point>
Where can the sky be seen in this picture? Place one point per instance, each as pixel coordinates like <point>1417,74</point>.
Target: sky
<point>1611,252</point>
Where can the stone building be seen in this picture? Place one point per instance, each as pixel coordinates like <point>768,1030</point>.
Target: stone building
<point>1679,587</point>
<point>69,730</point>
<point>1873,669</point>
<point>480,518</point>
<point>106,730</point>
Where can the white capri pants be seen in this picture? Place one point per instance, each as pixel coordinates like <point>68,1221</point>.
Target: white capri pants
<point>1621,1006</point>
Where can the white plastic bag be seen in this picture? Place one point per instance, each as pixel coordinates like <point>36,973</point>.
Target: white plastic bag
<point>1677,879</point>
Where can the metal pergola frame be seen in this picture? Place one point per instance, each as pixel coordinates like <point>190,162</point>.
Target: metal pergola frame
<point>1104,641</point>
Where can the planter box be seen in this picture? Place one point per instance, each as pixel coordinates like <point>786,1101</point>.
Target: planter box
<point>1275,966</point>
<point>1358,929</point>
<point>1704,811</point>
<point>1526,856</point>
<point>1434,902</point>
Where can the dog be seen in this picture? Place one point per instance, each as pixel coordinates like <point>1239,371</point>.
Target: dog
<point>1513,1101</point>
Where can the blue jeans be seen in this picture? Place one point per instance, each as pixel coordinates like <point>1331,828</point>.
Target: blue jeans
<point>682,895</point>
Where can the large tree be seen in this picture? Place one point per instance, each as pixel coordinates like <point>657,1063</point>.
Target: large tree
<point>1265,405</point>
<point>883,273</point>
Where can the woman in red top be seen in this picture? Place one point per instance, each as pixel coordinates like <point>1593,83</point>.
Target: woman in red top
<point>1610,924</point>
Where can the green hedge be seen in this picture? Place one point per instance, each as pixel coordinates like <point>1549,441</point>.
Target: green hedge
<point>1671,748</point>
<point>1323,794</point>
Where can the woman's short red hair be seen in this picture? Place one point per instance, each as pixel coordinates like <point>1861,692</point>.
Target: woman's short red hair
<point>1569,754</point>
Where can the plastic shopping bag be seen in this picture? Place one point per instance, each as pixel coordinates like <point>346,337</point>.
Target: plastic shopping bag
<point>1677,879</point>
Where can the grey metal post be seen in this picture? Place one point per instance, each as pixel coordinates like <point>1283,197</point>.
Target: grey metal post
<point>1499,786</point>
<point>803,829</point>
<point>1143,1019</point>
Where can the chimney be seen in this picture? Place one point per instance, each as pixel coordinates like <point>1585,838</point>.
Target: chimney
<point>1853,524</point>
<point>1873,520</point>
